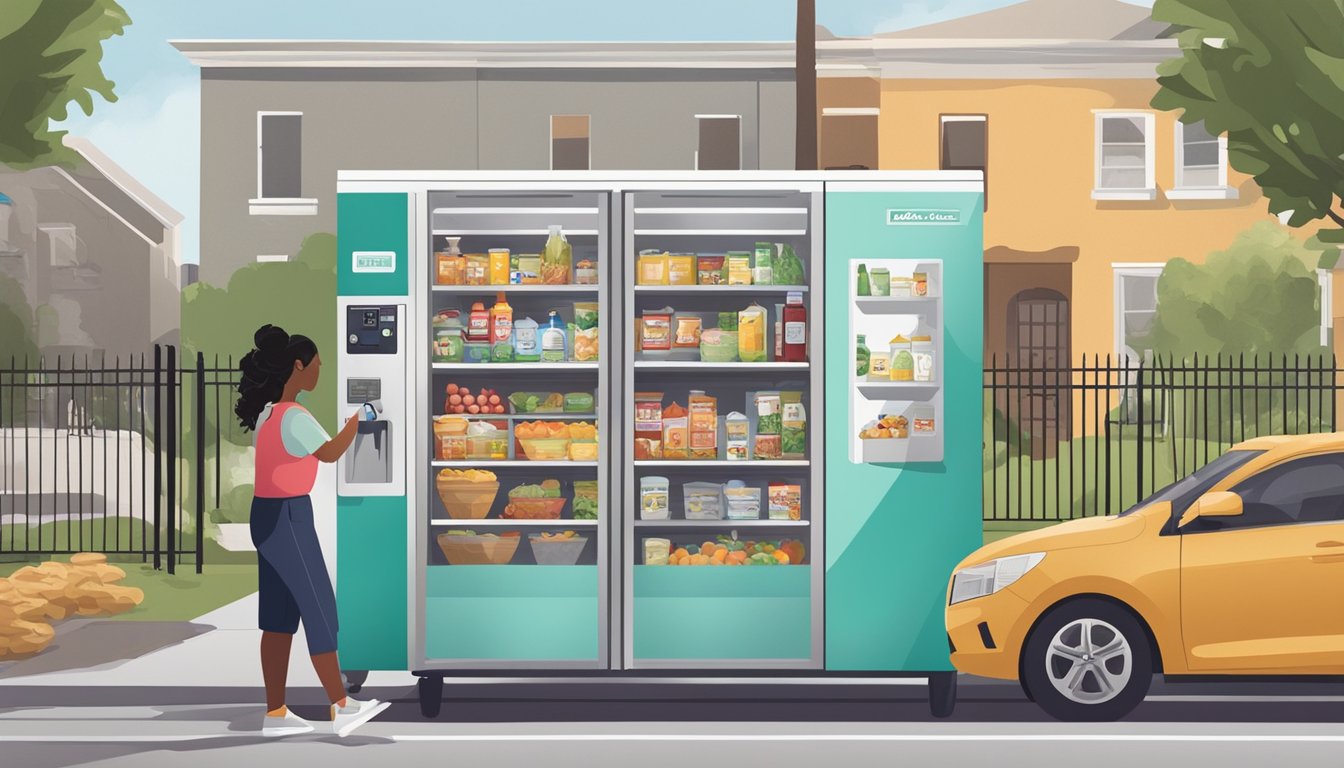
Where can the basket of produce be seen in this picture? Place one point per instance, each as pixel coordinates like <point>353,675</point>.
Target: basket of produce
<point>557,548</point>
<point>469,548</point>
<point>467,494</point>
<point>541,501</point>
<point>543,440</point>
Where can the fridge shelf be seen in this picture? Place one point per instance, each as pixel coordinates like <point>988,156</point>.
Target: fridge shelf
<point>899,391</point>
<point>893,305</point>
<point>511,288</point>
<point>690,365</point>
<point>515,210</point>
<point>495,522</point>
<point>524,416</point>
<point>468,367</point>
<point>911,450</point>
<point>759,523</point>
<point>719,232</point>
<point>512,232</point>
<point>712,289</point>
<point>721,463</point>
<point>488,463</point>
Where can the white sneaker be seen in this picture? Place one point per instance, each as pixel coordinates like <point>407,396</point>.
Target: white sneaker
<point>344,720</point>
<point>288,724</point>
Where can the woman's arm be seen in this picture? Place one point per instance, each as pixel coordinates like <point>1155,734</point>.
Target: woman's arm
<point>332,450</point>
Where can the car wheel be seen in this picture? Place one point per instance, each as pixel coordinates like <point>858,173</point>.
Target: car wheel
<point>1087,660</point>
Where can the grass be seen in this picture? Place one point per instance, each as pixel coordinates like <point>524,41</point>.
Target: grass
<point>185,595</point>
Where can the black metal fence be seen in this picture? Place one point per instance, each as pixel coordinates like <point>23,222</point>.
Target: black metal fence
<point>109,455</point>
<point>1095,439</point>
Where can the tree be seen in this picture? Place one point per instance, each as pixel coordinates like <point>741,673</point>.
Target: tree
<point>1271,76</point>
<point>50,55</point>
<point>1257,297</point>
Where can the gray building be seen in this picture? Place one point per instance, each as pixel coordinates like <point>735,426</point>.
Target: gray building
<point>280,118</point>
<point>95,254</point>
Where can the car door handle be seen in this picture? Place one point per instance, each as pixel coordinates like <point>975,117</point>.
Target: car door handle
<point>1332,557</point>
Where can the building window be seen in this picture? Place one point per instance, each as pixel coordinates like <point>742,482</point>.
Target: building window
<point>720,143</point>
<point>849,138</point>
<point>1124,156</point>
<point>1201,164</point>
<point>280,165</point>
<point>570,148</point>
<point>1135,308</point>
<point>964,145</point>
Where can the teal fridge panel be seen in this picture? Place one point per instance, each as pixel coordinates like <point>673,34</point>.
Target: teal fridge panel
<point>898,524</point>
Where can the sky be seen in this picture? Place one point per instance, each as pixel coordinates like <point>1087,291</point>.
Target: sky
<point>153,129</point>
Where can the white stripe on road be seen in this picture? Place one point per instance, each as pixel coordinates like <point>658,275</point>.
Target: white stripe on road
<point>645,737</point>
<point>1247,699</point>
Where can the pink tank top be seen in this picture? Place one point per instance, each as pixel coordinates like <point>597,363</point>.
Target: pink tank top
<point>280,475</point>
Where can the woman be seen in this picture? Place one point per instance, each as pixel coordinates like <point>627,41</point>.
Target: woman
<point>292,582</point>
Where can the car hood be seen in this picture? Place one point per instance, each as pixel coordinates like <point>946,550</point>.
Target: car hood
<point>1089,532</point>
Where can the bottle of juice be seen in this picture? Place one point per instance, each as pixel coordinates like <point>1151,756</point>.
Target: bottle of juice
<point>501,330</point>
<point>861,357</point>
<point>751,334</point>
<point>795,329</point>
<point>451,265</point>
<point>557,260</point>
<point>478,324</point>
<point>553,340</point>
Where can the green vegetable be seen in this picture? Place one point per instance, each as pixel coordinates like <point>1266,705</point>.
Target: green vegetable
<point>788,268</point>
<point>585,508</point>
<point>528,492</point>
<point>769,424</point>
<point>461,533</point>
<point>728,321</point>
<point>793,440</point>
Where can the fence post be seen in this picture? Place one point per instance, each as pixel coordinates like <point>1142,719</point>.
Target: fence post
<point>172,459</point>
<point>200,460</point>
<point>159,434</point>
<point>1138,470</point>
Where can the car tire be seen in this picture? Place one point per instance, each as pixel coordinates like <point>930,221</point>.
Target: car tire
<point>1087,661</point>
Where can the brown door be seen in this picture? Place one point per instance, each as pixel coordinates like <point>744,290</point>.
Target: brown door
<point>1038,328</point>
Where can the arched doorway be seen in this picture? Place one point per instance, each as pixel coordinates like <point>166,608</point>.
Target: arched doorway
<point>1038,341</point>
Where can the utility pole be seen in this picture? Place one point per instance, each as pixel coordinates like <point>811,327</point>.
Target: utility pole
<point>805,77</point>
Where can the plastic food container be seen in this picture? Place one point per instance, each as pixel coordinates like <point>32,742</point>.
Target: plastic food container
<point>718,346</point>
<point>743,503</point>
<point>653,498</point>
<point>545,448</point>
<point>583,451</point>
<point>466,500</point>
<point>557,551</point>
<point>536,402</point>
<point>702,501</point>
<point>461,549</point>
<point>493,445</point>
<point>534,509</point>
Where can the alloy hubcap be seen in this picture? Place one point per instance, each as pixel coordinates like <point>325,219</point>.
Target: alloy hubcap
<point>1089,661</point>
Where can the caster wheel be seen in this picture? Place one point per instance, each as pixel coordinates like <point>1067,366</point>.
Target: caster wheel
<point>431,696</point>
<point>942,693</point>
<point>354,679</point>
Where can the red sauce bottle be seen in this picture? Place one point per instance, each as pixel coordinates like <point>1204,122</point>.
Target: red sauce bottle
<point>795,329</point>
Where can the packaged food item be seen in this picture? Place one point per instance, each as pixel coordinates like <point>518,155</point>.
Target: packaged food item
<point>579,402</point>
<point>751,334</point>
<point>656,551</point>
<point>501,330</point>
<point>718,346</point>
<point>709,270</point>
<point>476,352</point>
<point>583,450</point>
<point>448,337</point>
<point>585,342</point>
<point>585,272</point>
<point>737,429</point>
<point>921,284</point>
<point>704,434</point>
<point>902,287</point>
<point>786,501</point>
<point>921,348</point>
<point>762,272</point>
<point>886,427</point>
<point>536,402</point>
<point>585,500</point>
<point>557,259</point>
<point>793,426</point>
<point>450,267</point>
<point>681,269</point>
<point>779,332</point>
<point>739,268</point>
<point>656,330</point>
<point>902,359</point>
<point>652,267</point>
<point>478,269</point>
<point>743,502</point>
<point>702,501</point>
<point>687,334</point>
<point>648,425</point>
<point>862,357</point>
<point>485,440</point>
<point>879,366</point>
<point>529,269</point>
<point>553,339</point>
<point>653,492</point>
<point>526,341</point>
<point>728,321</point>
<point>923,420</point>
<point>769,425</point>
<point>499,266</point>
<point>881,281</point>
<point>788,268</point>
<point>795,329</point>
<point>450,438</point>
<point>675,433</point>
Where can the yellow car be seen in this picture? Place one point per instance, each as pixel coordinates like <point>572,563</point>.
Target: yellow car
<point>1237,569</point>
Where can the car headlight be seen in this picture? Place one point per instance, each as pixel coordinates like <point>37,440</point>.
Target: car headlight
<point>988,578</point>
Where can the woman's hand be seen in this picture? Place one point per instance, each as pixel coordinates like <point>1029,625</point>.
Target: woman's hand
<point>332,450</point>
<point>353,421</point>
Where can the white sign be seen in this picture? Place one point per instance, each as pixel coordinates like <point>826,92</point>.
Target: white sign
<point>366,262</point>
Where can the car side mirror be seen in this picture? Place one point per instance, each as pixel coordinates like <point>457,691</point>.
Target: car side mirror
<point>1216,504</point>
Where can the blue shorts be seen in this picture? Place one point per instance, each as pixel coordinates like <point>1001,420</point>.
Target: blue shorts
<point>292,581</point>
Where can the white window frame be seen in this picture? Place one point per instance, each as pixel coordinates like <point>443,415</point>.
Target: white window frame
<point>1149,190</point>
<point>550,146</point>
<point>278,206</point>
<point>1120,271</point>
<point>1182,191</point>
<point>698,118</point>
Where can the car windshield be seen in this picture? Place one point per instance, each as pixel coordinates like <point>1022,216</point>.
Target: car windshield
<point>1183,492</point>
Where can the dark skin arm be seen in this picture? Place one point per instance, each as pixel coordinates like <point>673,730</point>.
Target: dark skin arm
<point>332,450</point>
